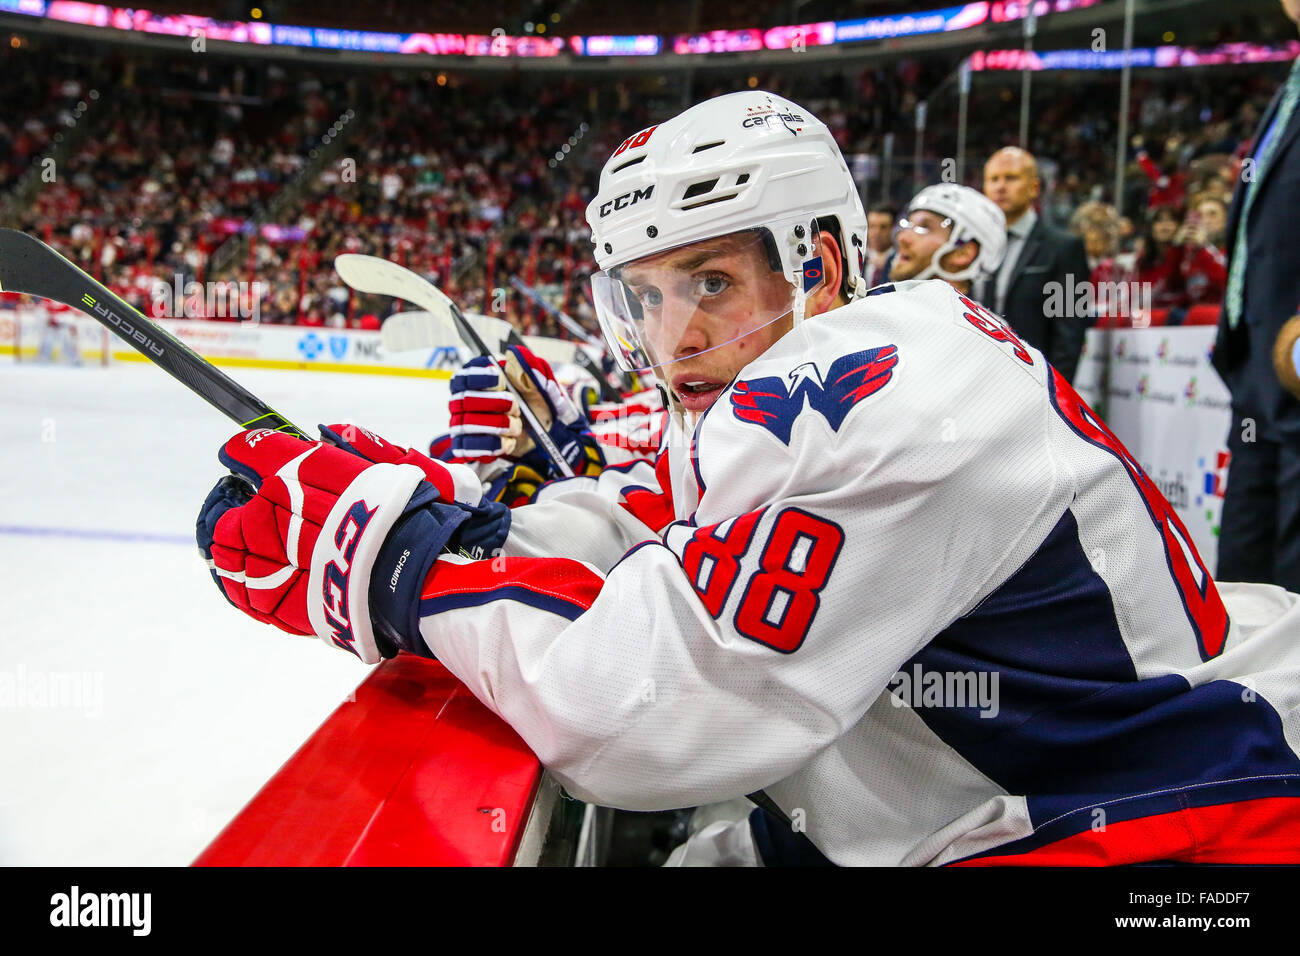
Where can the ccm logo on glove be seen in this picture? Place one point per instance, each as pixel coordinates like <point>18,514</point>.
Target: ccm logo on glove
<point>257,435</point>
<point>338,570</point>
<point>299,532</point>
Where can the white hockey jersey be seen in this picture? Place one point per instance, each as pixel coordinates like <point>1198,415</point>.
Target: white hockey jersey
<point>900,577</point>
<point>631,429</point>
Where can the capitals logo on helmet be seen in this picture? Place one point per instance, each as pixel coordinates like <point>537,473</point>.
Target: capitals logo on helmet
<point>732,163</point>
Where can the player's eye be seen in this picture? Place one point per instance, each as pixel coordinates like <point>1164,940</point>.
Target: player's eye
<point>711,285</point>
<point>650,297</point>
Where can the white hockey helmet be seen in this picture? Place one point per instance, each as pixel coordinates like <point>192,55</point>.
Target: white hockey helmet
<point>744,167</point>
<point>970,215</point>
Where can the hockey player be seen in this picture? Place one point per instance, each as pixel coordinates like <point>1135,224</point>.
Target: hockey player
<point>889,568</point>
<point>951,232</point>
<point>947,231</point>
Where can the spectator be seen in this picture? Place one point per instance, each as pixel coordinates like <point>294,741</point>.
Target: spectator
<point>1037,256</point>
<point>1160,258</point>
<point>1099,225</point>
<point>1168,181</point>
<point>1204,263</point>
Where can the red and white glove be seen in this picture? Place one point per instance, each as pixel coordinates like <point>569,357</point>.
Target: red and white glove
<point>487,431</point>
<point>485,420</point>
<point>454,482</point>
<point>334,538</point>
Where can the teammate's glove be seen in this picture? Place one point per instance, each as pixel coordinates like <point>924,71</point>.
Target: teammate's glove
<point>334,539</point>
<point>486,425</point>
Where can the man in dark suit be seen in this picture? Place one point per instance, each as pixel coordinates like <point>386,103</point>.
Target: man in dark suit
<point>1259,536</point>
<point>881,220</point>
<point>1037,256</point>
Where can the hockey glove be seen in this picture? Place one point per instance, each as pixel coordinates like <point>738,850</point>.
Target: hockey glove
<point>486,425</point>
<point>318,539</point>
<point>477,538</point>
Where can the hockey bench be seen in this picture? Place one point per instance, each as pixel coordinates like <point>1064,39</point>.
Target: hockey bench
<point>413,772</point>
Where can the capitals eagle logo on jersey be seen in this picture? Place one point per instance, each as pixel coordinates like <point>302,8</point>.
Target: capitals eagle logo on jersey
<point>773,404</point>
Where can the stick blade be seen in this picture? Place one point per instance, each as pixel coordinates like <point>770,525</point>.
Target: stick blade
<point>15,249</point>
<point>414,331</point>
<point>435,327</point>
<point>376,276</point>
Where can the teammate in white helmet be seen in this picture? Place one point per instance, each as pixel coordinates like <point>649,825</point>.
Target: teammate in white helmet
<point>949,232</point>
<point>888,567</point>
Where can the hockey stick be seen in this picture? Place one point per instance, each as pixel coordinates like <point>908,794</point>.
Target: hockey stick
<point>581,358</point>
<point>570,323</point>
<point>412,331</point>
<point>29,266</point>
<point>409,331</point>
<point>377,276</point>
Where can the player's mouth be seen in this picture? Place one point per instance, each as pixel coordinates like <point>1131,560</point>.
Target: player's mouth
<point>696,393</point>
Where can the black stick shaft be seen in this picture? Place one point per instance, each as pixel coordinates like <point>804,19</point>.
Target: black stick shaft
<point>29,266</point>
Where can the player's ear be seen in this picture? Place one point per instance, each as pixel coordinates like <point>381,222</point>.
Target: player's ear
<point>823,300</point>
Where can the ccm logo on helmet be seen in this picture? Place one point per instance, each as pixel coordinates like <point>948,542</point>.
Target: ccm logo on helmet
<point>625,200</point>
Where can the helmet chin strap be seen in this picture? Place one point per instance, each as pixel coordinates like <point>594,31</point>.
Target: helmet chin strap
<point>936,271</point>
<point>800,307</point>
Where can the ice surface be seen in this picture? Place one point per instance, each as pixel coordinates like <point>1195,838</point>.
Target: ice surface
<point>138,711</point>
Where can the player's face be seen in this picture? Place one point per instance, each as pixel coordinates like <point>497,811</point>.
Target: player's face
<point>920,235</point>
<point>700,296</point>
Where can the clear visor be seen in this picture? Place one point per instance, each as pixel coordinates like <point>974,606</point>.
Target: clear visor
<point>927,223</point>
<point>695,298</point>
